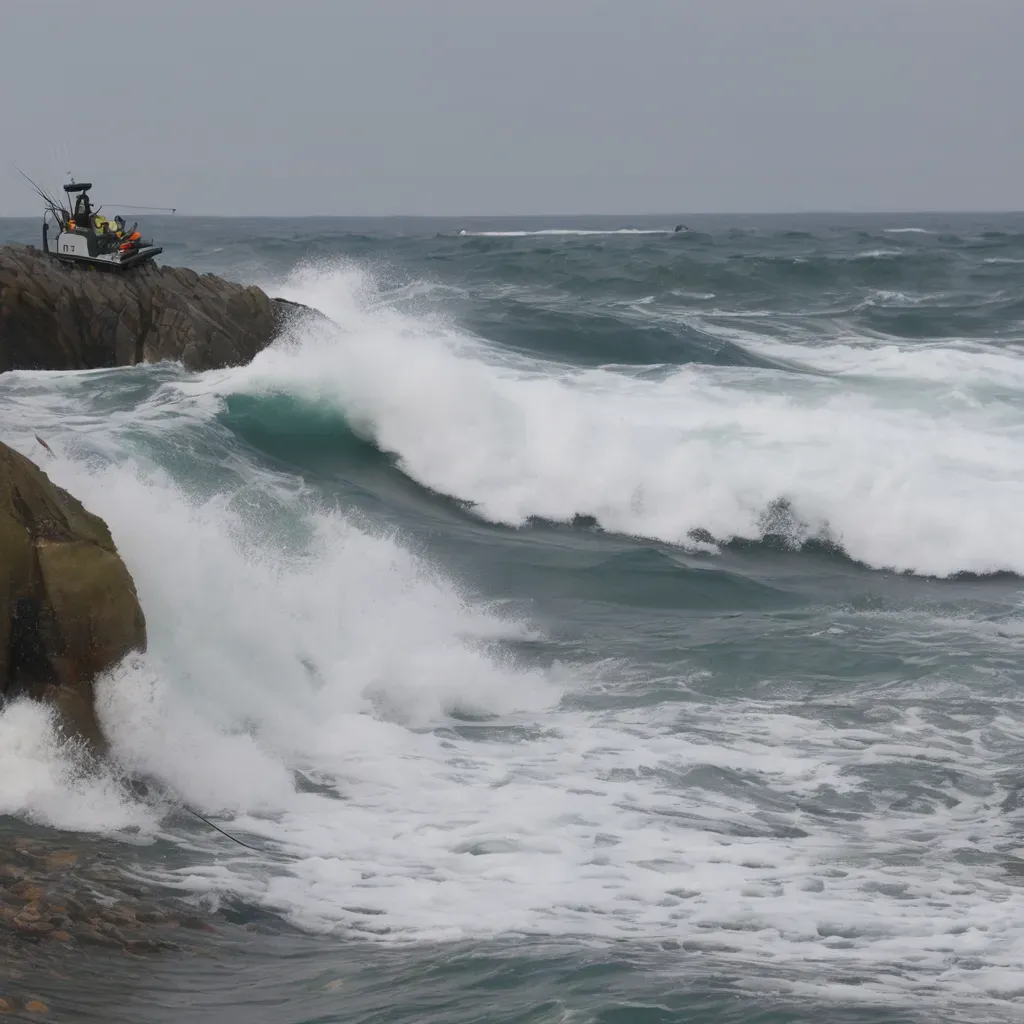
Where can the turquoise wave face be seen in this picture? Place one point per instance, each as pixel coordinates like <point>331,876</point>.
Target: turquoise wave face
<point>580,615</point>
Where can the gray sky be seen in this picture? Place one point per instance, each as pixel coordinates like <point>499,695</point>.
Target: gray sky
<point>516,106</point>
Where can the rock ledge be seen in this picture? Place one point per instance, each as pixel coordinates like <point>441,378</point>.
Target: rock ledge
<point>59,317</point>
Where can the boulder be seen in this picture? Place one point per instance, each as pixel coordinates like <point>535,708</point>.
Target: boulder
<point>68,607</point>
<point>59,317</point>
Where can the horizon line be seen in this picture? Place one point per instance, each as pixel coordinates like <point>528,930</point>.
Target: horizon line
<point>824,211</point>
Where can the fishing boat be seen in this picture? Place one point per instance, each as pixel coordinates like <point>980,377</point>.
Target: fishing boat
<point>85,236</point>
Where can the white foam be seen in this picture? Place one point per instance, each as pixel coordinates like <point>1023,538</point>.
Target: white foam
<point>955,362</point>
<point>283,637</point>
<point>565,231</point>
<point>876,254</point>
<point>928,482</point>
<point>45,778</point>
<point>884,297</point>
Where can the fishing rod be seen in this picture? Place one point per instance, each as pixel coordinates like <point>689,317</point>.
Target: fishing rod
<point>55,208</point>
<point>157,209</point>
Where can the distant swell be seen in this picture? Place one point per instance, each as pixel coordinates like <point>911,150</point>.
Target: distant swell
<point>568,232</point>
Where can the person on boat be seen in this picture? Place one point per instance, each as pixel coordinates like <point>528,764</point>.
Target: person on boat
<point>83,211</point>
<point>107,235</point>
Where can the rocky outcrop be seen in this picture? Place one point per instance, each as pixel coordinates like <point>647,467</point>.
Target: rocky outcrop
<point>59,317</point>
<point>68,607</point>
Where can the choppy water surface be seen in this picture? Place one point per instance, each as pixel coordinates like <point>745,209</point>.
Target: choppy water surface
<point>591,622</point>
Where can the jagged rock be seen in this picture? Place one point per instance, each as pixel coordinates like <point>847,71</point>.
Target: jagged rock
<point>68,607</point>
<point>59,317</point>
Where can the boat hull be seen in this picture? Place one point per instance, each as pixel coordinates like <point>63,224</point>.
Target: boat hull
<point>111,261</point>
<point>83,248</point>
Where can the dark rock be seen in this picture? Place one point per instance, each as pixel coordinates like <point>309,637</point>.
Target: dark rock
<point>59,317</point>
<point>112,932</point>
<point>26,891</point>
<point>60,860</point>
<point>93,938</point>
<point>68,607</point>
<point>142,946</point>
<point>55,915</point>
<point>31,927</point>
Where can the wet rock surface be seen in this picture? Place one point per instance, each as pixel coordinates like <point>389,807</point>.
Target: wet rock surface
<point>61,896</point>
<point>62,908</point>
<point>68,605</point>
<point>103,928</point>
<point>59,317</point>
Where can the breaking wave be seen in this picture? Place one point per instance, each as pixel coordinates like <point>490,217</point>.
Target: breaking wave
<point>924,477</point>
<point>417,761</point>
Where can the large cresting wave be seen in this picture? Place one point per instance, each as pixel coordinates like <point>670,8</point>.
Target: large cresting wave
<point>315,686</point>
<point>904,455</point>
<point>366,722</point>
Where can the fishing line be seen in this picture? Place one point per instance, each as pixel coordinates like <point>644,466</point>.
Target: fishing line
<point>159,209</point>
<point>219,829</point>
<point>142,789</point>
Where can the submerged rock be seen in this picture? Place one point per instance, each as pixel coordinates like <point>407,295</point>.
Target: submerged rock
<point>64,899</point>
<point>59,317</point>
<point>68,607</point>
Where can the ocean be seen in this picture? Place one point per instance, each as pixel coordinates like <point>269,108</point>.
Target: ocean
<point>587,622</point>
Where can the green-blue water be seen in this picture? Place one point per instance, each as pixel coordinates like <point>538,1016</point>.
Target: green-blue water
<point>586,624</point>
